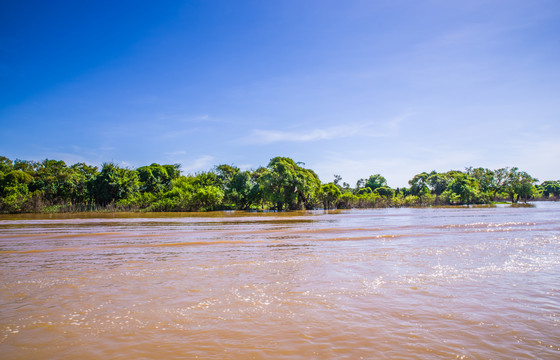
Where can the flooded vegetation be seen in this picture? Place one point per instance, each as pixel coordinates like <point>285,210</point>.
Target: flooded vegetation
<point>51,186</point>
<point>466,283</point>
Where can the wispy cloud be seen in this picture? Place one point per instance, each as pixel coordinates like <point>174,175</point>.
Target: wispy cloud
<point>272,136</point>
<point>126,164</point>
<point>371,129</point>
<point>188,163</point>
<point>200,163</point>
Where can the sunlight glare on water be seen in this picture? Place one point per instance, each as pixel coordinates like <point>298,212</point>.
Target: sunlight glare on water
<point>465,283</point>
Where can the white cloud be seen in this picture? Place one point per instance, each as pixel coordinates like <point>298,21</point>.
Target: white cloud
<point>370,129</point>
<point>272,136</point>
<point>245,167</point>
<point>126,164</point>
<point>200,163</point>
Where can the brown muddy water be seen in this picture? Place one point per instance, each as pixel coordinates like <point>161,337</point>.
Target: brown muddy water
<point>461,283</point>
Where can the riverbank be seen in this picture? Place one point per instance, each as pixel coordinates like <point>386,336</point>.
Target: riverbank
<point>68,209</point>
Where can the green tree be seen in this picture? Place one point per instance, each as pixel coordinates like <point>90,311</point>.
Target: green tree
<point>437,182</point>
<point>113,184</point>
<point>57,182</point>
<point>207,197</point>
<point>375,181</point>
<point>484,177</point>
<point>329,195</point>
<point>463,189</point>
<point>24,165</point>
<point>347,200</point>
<point>157,178</point>
<point>419,185</point>
<point>83,174</point>
<point>225,174</point>
<point>499,182</point>
<point>6,165</point>
<point>237,186</point>
<point>550,188</point>
<point>364,191</point>
<point>385,192</point>
<point>287,184</point>
<point>14,192</point>
<point>519,184</point>
<point>359,185</point>
<point>243,190</point>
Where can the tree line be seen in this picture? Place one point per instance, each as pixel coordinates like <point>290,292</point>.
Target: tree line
<point>53,186</point>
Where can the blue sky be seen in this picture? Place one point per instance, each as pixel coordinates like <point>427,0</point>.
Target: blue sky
<point>348,87</point>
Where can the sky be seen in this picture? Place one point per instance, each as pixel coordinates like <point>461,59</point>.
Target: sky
<point>352,88</point>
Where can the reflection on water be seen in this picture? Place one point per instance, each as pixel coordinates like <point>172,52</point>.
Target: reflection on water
<point>393,283</point>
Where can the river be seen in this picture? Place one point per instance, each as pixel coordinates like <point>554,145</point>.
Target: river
<point>445,283</point>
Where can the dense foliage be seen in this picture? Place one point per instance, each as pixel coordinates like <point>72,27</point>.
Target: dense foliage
<point>50,185</point>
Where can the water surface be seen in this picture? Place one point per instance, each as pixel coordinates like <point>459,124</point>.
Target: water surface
<point>466,283</point>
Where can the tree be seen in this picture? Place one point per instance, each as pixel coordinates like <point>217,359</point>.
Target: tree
<point>240,188</point>
<point>225,174</point>
<point>375,181</point>
<point>207,197</point>
<point>484,177</point>
<point>243,190</point>
<point>24,165</point>
<point>418,184</point>
<point>499,182</point>
<point>83,174</point>
<point>464,189</point>
<point>519,184</point>
<point>113,184</point>
<point>286,183</point>
<point>364,191</point>
<point>6,165</point>
<point>174,171</point>
<point>550,188</point>
<point>337,180</point>
<point>156,178</point>
<point>359,185</point>
<point>55,180</point>
<point>437,182</point>
<point>329,194</point>
<point>14,192</point>
<point>385,192</point>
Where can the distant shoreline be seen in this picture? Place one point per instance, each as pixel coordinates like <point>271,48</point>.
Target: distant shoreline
<point>51,186</point>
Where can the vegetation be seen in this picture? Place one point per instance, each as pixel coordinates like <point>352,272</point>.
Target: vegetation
<point>51,185</point>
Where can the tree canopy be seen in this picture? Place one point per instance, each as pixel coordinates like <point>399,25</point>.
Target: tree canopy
<point>52,185</point>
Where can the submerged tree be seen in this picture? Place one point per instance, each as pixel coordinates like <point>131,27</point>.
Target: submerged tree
<point>463,189</point>
<point>157,178</point>
<point>419,184</point>
<point>329,195</point>
<point>285,183</point>
<point>550,188</point>
<point>519,185</point>
<point>113,184</point>
<point>282,185</point>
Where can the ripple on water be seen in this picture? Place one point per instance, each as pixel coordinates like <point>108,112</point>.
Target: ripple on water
<point>390,283</point>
